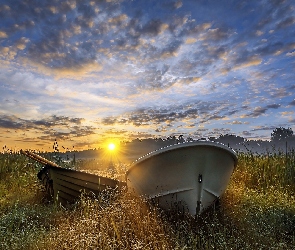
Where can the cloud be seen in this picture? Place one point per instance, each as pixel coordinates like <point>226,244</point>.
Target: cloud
<point>21,43</point>
<point>217,34</point>
<point>247,133</point>
<point>235,122</point>
<point>286,22</point>
<point>11,122</point>
<point>151,117</point>
<point>279,93</point>
<point>153,27</point>
<point>61,127</point>
<point>3,34</point>
<point>273,106</point>
<point>178,4</point>
<point>247,62</point>
<point>57,121</point>
<point>8,53</point>
<point>190,40</point>
<point>52,121</point>
<point>188,80</point>
<point>198,113</point>
<point>291,53</point>
<point>264,128</point>
<point>258,111</point>
<point>275,48</point>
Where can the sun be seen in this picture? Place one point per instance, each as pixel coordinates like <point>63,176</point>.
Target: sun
<point>111,146</point>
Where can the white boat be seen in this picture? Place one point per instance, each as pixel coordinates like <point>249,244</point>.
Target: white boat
<point>190,176</point>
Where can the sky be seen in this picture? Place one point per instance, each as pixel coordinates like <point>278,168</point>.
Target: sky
<point>84,72</point>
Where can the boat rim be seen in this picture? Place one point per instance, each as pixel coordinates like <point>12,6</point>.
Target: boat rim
<point>183,145</point>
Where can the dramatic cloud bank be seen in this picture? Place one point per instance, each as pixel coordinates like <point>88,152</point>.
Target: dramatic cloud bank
<point>84,71</point>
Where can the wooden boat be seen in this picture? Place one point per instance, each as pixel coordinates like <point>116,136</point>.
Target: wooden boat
<point>188,176</point>
<point>66,185</point>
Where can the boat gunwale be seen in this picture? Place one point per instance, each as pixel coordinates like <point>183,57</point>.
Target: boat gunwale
<point>184,145</point>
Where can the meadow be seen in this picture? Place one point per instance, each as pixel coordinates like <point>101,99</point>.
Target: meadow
<point>257,211</point>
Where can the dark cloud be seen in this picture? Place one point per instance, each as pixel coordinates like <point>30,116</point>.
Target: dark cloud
<point>11,122</point>
<point>232,112</point>
<point>292,103</point>
<point>264,128</point>
<point>258,111</point>
<point>212,117</point>
<point>286,22</point>
<point>172,5</point>
<point>86,11</point>
<point>54,121</point>
<point>152,117</point>
<point>201,112</point>
<point>272,48</point>
<point>247,133</point>
<point>273,106</point>
<point>152,27</point>
<point>109,121</point>
<point>269,48</point>
<point>50,127</point>
<point>74,132</point>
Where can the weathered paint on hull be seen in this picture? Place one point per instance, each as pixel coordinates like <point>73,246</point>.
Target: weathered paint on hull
<point>191,175</point>
<point>67,185</point>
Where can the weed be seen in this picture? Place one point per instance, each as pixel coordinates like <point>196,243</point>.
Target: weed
<point>257,211</point>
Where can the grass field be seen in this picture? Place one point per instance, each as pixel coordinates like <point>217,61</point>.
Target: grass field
<point>257,211</point>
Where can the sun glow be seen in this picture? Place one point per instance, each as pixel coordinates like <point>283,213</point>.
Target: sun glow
<point>111,146</point>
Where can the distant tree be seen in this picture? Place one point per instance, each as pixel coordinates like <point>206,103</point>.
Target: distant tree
<point>230,139</point>
<point>189,139</point>
<point>281,133</point>
<point>172,138</point>
<point>181,139</point>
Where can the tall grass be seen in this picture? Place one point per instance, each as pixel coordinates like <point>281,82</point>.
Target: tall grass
<point>264,172</point>
<point>257,211</point>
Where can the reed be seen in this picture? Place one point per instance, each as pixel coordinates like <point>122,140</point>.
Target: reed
<point>257,211</point>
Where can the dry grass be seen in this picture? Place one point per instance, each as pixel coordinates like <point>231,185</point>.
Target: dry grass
<point>256,212</point>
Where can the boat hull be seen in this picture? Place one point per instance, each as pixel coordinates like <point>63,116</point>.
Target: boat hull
<point>67,185</point>
<point>189,176</point>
